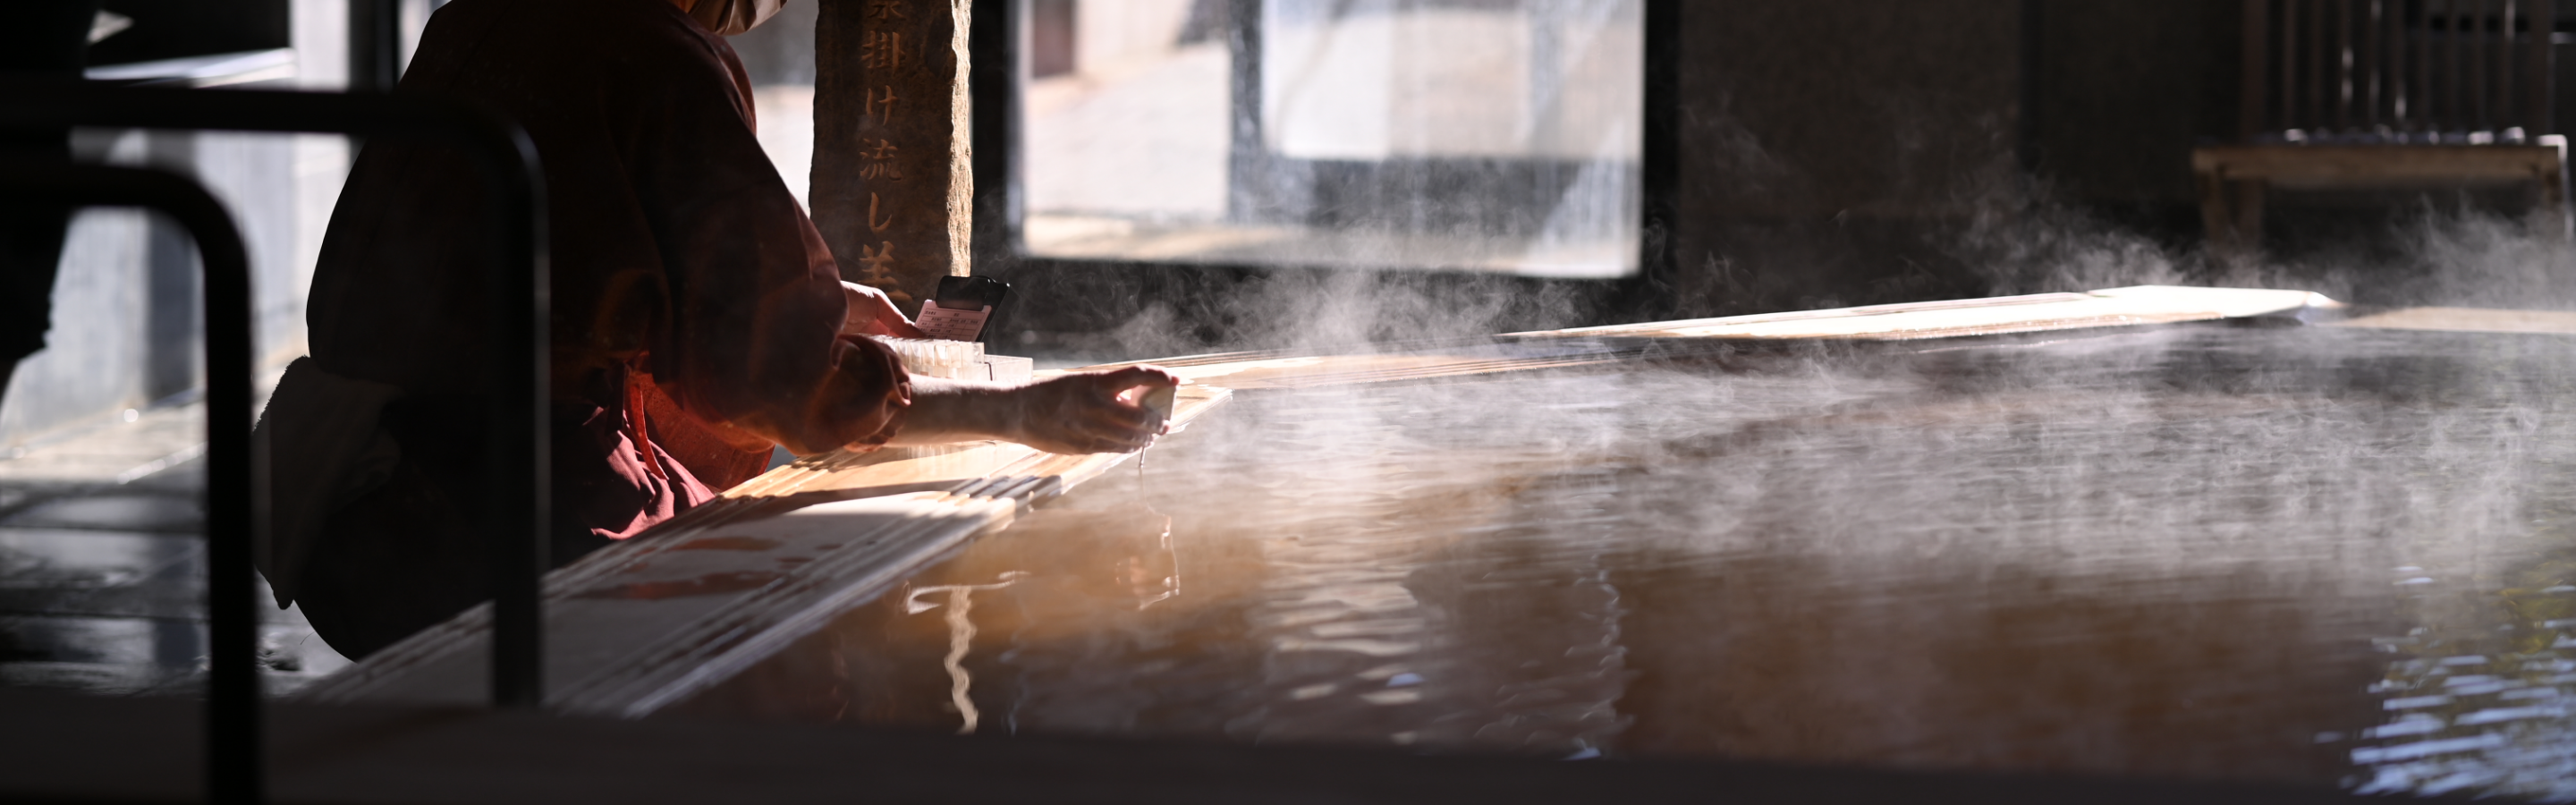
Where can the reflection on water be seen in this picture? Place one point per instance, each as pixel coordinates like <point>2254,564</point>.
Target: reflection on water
<point>961,638</point>
<point>2330,556</point>
<point>2478,703</point>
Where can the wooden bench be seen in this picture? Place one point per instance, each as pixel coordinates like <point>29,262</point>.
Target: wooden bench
<point>2234,179</point>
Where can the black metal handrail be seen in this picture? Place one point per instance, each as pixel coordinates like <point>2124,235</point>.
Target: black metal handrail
<point>232,689</point>
<point>516,470</point>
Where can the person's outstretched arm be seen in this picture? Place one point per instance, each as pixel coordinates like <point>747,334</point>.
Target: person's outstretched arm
<point>1078,413</point>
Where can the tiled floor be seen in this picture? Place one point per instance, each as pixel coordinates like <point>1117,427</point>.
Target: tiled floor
<point>102,565</point>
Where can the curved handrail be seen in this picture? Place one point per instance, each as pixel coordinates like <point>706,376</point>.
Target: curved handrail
<point>233,731</point>
<point>517,461</point>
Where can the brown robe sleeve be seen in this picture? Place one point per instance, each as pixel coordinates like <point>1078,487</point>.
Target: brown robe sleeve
<point>674,241</point>
<point>750,337</point>
<point>674,247</point>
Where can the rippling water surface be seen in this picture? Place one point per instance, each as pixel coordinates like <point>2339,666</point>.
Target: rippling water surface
<point>2301,554</point>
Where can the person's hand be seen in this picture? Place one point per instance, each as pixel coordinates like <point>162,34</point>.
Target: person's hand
<point>1099,412</point>
<point>871,313</point>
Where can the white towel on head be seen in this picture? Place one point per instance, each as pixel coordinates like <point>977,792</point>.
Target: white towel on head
<point>323,446</point>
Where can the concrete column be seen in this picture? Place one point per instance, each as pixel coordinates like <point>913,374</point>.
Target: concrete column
<point>893,179</point>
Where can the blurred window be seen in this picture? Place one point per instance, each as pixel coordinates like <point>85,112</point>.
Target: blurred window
<point>1488,135</point>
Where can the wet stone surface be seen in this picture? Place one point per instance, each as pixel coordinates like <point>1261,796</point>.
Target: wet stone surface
<point>174,511</point>
<point>103,584</point>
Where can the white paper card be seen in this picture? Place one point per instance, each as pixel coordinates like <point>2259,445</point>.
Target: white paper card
<point>954,325</point>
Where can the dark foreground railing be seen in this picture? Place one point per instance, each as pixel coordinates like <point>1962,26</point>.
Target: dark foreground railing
<point>232,689</point>
<point>517,461</point>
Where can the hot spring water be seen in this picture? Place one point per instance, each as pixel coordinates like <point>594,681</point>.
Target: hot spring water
<point>2301,554</point>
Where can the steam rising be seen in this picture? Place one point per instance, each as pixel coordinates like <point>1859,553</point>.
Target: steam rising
<point>2212,552</point>
<point>2432,248</point>
<point>2305,554</point>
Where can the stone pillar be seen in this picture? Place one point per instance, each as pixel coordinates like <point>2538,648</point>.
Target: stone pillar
<point>893,183</point>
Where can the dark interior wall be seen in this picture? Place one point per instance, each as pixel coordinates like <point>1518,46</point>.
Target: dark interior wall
<point>1801,108</point>
<point>2126,89</point>
<point>1840,152</point>
<point>1825,146</point>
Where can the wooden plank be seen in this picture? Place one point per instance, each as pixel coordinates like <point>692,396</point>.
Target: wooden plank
<point>646,622</point>
<point>2378,164</point>
<point>1316,371</point>
<point>2316,94</point>
<point>2420,94</point>
<point>2342,82</point>
<point>2115,307</point>
<point>2467,320</point>
<point>1596,345</point>
<point>2500,89</point>
<point>2538,56</point>
<point>2373,58</point>
<point>2253,58</point>
<point>2289,61</point>
<point>2393,69</point>
<point>913,467</point>
<point>2461,107</point>
<point>645,603</point>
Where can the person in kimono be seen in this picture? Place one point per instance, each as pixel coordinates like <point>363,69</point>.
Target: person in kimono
<point>698,321</point>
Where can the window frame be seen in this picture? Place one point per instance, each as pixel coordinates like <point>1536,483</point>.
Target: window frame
<point>1094,294</point>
